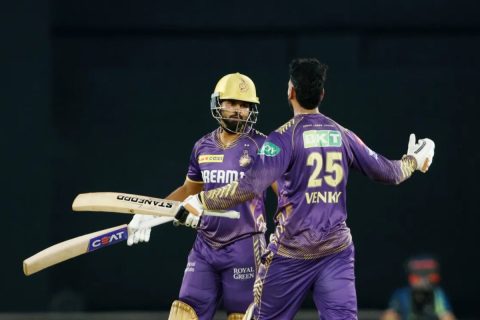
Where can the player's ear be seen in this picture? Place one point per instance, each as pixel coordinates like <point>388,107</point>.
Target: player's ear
<point>322,94</point>
<point>290,91</point>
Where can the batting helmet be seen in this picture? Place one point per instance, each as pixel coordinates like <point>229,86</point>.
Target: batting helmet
<point>235,86</point>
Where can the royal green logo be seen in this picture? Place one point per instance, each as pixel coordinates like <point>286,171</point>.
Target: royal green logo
<point>322,138</point>
<point>269,149</point>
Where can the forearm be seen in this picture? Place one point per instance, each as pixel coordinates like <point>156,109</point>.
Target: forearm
<point>408,166</point>
<point>419,157</point>
<point>263,173</point>
<point>379,168</point>
<point>403,170</point>
<point>187,189</point>
<point>178,194</point>
<point>226,197</point>
<point>388,171</point>
<point>254,183</point>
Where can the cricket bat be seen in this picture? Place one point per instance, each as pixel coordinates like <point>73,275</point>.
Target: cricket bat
<point>80,245</point>
<point>135,204</point>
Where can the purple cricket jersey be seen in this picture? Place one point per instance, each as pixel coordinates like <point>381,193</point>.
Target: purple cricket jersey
<point>309,157</point>
<point>215,165</point>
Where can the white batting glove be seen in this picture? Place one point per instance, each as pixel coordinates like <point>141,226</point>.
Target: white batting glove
<point>190,212</point>
<point>141,225</point>
<point>422,151</point>
<point>137,234</point>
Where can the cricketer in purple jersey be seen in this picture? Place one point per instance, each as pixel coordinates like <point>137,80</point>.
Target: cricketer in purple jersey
<point>312,247</point>
<point>215,165</point>
<point>226,254</point>
<point>310,157</point>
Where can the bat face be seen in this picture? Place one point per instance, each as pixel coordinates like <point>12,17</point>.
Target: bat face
<point>74,247</point>
<point>147,201</point>
<point>108,202</point>
<point>124,203</point>
<point>135,204</point>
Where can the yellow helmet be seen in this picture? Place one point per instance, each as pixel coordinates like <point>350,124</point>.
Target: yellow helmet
<point>235,86</point>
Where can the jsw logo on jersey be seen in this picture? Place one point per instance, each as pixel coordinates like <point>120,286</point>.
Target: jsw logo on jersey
<point>108,239</point>
<point>221,176</point>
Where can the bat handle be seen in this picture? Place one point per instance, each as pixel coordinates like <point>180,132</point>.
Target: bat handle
<point>232,214</point>
<point>155,222</point>
<point>183,213</point>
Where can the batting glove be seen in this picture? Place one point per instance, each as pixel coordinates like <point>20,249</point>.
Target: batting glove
<point>141,225</point>
<point>422,151</point>
<point>190,212</point>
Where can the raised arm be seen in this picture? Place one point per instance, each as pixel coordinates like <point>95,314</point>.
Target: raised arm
<point>381,169</point>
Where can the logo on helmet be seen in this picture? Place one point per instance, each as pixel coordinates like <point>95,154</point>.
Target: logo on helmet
<point>243,86</point>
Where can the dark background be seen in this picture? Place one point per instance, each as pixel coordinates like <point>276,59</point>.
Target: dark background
<point>112,95</point>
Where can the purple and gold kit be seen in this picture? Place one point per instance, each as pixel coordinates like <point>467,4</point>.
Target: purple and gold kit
<point>215,165</point>
<point>309,157</point>
<point>226,254</point>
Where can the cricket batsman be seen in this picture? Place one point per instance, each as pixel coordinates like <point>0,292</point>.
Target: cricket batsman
<point>226,254</point>
<point>310,157</point>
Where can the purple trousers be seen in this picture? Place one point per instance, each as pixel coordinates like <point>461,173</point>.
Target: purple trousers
<point>228,272</point>
<point>283,283</point>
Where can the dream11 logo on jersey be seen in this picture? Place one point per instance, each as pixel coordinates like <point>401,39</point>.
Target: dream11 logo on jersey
<point>108,239</point>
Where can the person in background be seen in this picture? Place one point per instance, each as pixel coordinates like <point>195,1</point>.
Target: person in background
<point>423,298</point>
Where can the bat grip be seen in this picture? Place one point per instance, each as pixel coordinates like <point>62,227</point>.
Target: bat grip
<point>182,214</point>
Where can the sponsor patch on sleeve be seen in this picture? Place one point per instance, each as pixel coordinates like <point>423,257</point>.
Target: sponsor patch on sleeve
<point>269,149</point>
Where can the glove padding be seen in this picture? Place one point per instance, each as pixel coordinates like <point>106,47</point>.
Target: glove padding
<point>141,225</point>
<point>422,151</point>
<point>189,212</point>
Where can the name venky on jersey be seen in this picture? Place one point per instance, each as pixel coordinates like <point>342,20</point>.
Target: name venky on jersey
<point>221,176</point>
<point>322,197</point>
